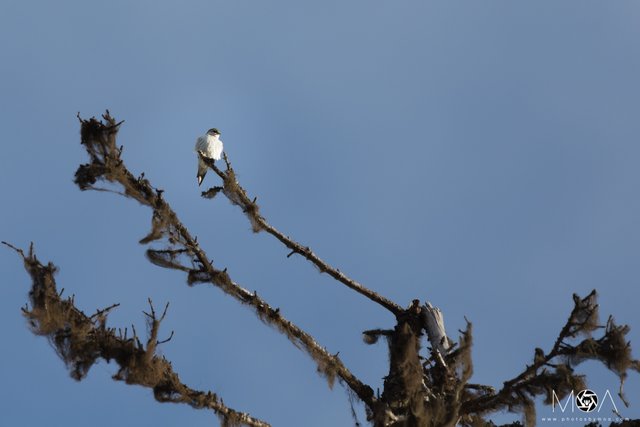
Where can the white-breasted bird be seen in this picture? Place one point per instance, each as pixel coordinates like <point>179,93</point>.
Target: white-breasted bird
<point>210,145</point>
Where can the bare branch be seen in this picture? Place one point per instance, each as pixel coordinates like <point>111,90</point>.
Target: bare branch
<point>238,196</point>
<point>166,340</point>
<point>101,312</point>
<point>81,340</point>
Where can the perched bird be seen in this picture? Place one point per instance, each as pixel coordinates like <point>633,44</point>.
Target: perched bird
<point>210,145</point>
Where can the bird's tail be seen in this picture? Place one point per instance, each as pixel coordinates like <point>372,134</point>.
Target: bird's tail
<point>202,171</point>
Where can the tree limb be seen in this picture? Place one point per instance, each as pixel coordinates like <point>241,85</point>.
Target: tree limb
<point>81,340</point>
<point>554,371</point>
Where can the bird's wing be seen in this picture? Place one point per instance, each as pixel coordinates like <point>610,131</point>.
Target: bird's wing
<point>201,144</point>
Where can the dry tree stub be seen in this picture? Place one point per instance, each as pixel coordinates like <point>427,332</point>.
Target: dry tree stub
<point>421,391</point>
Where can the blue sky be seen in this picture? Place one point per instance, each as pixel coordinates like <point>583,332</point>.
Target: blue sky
<point>481,155</point>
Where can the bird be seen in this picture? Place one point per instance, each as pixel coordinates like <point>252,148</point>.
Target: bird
<point>210,145</point>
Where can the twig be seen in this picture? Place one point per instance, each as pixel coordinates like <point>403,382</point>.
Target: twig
<point>167,340</point>
<point>101,312</point>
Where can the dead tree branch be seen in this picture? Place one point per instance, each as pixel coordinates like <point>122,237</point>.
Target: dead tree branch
<point>238,196</point>
<point>554,371</point>
<point>99,139</point>
<point>81,340</point>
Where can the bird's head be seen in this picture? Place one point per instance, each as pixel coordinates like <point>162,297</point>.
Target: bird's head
<point>213,132</point>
